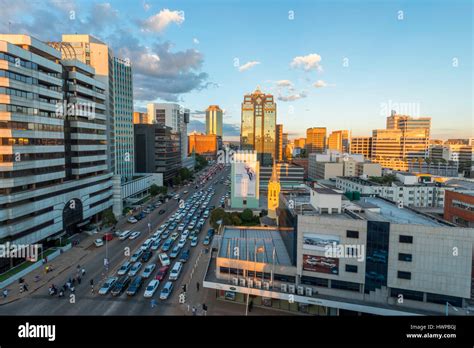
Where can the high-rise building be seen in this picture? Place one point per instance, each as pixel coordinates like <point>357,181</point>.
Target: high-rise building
<point>300,142</point>
<point>362,146</point>
<point>203,144</point>
<point>53,169</point>
<point>123,118</point>
<point>174,116</point>
<point>141,117</point>
<point>158,150</point>
<point>315,139</point>
<point>407,123</point>
<point>258,127</point>
<point>93,52</point>
<point>339,140</point>
<point>214,120</point>
<point>273,193</point>
<point>279,142</point>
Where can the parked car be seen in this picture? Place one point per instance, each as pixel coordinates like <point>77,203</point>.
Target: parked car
<point>194,241</point>
<point>167,245</point>
<point>135,268</point>
<point>151,288</point>
<point>148,270</point>
<point>184,255</point>
<point>134,235</point>
<point>182,242</point>
<point>124,235</point>
<point>166,291</point>
<point>135,286</point>
<point>147,244</point>
<point>162,211</point>
<point>147,256</point>
<point>156,244</point>
<point>109,283</point>
<point>160,275</point>
<point>120,285</point>
<point>206,241</point>
<point>164,259</point>
<point>132,220</point>
<point>98,242</point>
<point>125,268</point>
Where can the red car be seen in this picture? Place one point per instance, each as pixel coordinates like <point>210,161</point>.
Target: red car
<point>161,273</point>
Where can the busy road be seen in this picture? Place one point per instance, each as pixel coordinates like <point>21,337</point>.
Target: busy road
<point>148,260</point>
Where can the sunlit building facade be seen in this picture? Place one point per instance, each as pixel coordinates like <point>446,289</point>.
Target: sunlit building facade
<point>339,140</point>
<point>315,139</point>
<point>258,127</point>
<point>214,120</point>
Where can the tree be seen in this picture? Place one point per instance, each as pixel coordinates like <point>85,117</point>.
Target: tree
<point>108,217</point>
<point>247,215</point>
<point>216,215</point>
<point>185,174</point>
<point>154,190</point>
<point>201,162</point>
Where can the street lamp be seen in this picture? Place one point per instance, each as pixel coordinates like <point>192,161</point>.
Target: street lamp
<point>447,308</point>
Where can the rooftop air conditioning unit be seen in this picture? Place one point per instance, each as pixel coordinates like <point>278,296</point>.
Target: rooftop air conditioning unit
<point>284,288</point>
<point>266,285</point>
<point>242,282</point>
<point>300,290</point>
<point>235,281</point>
<point>250,283</point>
<point>291,289</point>
<point>309,292</point>
<point>258,284</point>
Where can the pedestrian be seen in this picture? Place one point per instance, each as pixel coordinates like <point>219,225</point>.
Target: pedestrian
<point>194,310</point>
<point>5,293</point>
<point>197,286</point>
<point>79,280</point>
<point>83,271</point>
<point>25,287</point>
<point>92,286</point>
<point>73,281</point>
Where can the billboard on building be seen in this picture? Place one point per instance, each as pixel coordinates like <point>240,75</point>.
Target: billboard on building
<point>320,264</point>
<point>314,241</point>
<point>246,176</point>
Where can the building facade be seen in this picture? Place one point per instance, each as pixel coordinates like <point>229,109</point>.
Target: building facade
<point>245,173</point>
<point>362,146</point>
<point>55,177</point>
<point>258,126</point>
<point>203,144</point>
<point>289,176</point>
<point>459,207</point>
<point>279,143</point>
<point>214,120</point>
<point>315,140</point>
<point>339,141</point>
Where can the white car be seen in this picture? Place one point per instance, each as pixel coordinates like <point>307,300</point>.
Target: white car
<point>181,227</point>
<point>181,242</point>
<point>134,235</point>
<point>98,242</point>
<point>125,268</point>
<point>174,236</point>
<point>107,285</point>
<point>185,234</point>
<point>125,234</point>
<point>164,259</point>
<point>156,244</point>
<point>148,270</point>
<point>132,220</point>
<point>166,291</point>
<point>135,268</point>
<point>194,241</point>
<point>151,288</point>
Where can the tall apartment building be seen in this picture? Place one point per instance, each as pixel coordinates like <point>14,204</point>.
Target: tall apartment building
<point>214,120</point>
<point>460,154</point>
<point>407,123</point>
<point>203,144</point>
<point>258,126</point>
<point>284,144</point>
<point>93,52</point>
<point>279,142</point>
<point>339,140</point>
<point>123,118</point>
<point>53,162</point>
<point>174,116</point>
<point>361,145</point>
<point>315,140</point>
<point>158,150</point>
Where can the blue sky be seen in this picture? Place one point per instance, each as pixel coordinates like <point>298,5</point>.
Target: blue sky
<point>193,52</point>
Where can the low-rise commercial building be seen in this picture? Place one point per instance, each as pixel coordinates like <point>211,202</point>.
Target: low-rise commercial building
<point>459,207</point>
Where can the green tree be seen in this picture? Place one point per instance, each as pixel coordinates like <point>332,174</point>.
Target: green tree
<point>216,215</point>
<point>201,162</point>
<point>154,190</point>
<point>108,217</point>
<point>247,216</point>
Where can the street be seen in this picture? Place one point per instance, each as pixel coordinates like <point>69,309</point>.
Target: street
<point>40,302</point>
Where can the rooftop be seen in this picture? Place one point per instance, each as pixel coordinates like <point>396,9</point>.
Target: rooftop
<point>264,243</point>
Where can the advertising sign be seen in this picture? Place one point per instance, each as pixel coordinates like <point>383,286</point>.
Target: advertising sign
<point>321,242</point>
<point>245,180</point>
<point>320,264</point>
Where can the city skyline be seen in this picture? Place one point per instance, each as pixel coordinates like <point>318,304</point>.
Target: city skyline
<point>350,80</point>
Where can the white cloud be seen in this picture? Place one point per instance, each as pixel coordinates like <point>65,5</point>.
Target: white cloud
<point>146,6</point>
<point>308,62</point>
<point>292,97</point>
<point>320,84</point>
<point>284,83</point>
<point>248,65</point>
<point>158,22</point>
<point>196,41</point>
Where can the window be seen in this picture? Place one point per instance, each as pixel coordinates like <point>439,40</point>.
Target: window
<point>351,268</point>
<point>404,257</point>
<point>339,284</point>
<point>404,275</point>
<point>352,234</point>
<point>315,281</point>
<point>406,239</point>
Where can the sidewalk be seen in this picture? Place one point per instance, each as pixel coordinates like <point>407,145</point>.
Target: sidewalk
<point>62,263</point>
